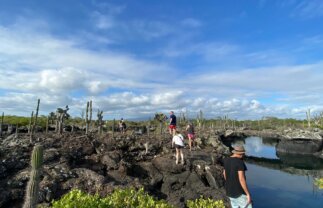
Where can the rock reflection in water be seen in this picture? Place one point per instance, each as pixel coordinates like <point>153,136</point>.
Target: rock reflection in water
<point>258,147</point>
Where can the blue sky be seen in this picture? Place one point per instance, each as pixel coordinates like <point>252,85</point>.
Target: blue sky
<point>244,59</point>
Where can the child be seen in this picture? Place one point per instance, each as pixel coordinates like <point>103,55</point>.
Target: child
<point>190,135</point>
<point>178,140</point>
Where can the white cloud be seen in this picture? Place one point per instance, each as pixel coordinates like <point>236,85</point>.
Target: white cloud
<point>210,51</point>
<point>191,22</point>
<point>64,72</point>
<point>103,21</point>
<point>282,79</point>
<point>38,60</point>
<point>63,79</point>
<point>309,9</point>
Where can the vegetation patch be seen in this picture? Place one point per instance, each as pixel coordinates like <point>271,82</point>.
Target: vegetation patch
<point>125,198</point>
<point>205,203</point>
<point>120,198</point>
<point>319,183</point>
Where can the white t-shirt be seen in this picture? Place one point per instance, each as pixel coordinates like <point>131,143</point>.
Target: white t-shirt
<point>178,139</point>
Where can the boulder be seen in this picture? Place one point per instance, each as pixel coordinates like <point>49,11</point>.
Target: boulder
<point>213,141</point>
<point>167,165</point>
<point>299,146</point>
<point>111,160</point>
<point>302,134</point>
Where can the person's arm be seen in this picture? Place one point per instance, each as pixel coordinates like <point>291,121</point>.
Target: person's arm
<point>224,176</point>
<point>243,183</point>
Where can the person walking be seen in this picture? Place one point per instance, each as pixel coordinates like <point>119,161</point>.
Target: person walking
<point>172,123</point>
<point>235,179</point>
<point>190,135</point>
<point>122,126</point>
<point>178,141</point>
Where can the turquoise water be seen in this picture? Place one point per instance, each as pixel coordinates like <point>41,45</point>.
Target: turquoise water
<point>283,180</point>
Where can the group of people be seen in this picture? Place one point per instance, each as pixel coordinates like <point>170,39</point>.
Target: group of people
<point>234,166</point>
<point>178,139</point>
<point>122,126</point>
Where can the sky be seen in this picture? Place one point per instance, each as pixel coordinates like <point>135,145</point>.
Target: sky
<point>245,59</point>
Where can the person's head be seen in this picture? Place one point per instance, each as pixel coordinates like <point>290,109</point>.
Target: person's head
<point>171,112</point>
<point>238,151</point>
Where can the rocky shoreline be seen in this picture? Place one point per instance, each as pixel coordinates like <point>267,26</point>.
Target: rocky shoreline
<point>99,164</point>
<point>291,141</point>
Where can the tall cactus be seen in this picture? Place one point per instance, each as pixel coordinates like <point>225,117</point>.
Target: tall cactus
<point>2,117</point>
<point>33,125</point>
<point>113,127</point>
<point>87,118</point>
<point>16,134</point>
<point>30,122</point>
<point>32,188</point>
<point>100,121</point>
<point>36,116</point>
<point>308,116</point>
<point>47,124</point>
<point>148,128</point>
<point>90,121</point>
<point>61,116</point>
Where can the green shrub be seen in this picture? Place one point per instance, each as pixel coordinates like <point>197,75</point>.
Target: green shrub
<point>79,199</point>
<point>205,203</point>
<point>319,183</point>
<point>120,198</point>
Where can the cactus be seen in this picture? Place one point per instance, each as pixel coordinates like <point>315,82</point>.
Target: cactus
<point>32,119</point>
<point>31,126</point>
<point>100,122</point>
<point>16,134</point>
<point>90,119</point>
<point>148,128</point>
<point>47,124</point>
<point>87,118</point>
<point>31,197</point>
<point>200,120</point>
<point>2,117</point>
<point>308,116</point>
<point>113,126</point>
<point>61,116</point>
<point>161,118</point>
<point>36,116</point>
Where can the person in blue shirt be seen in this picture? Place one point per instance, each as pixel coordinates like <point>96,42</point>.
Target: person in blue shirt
<point>172,123</point>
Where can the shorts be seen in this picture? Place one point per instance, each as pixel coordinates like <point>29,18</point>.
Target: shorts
<point>190,136</point>
<point>241,201</point>
<point>172,126</point>
<point>178,146</point>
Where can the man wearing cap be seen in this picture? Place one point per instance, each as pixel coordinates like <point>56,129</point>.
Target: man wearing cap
<point>235,179</point>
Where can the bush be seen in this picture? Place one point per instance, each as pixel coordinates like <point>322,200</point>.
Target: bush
<point>205,203</point>
<point>120,198</point>
<point>319,183</point>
